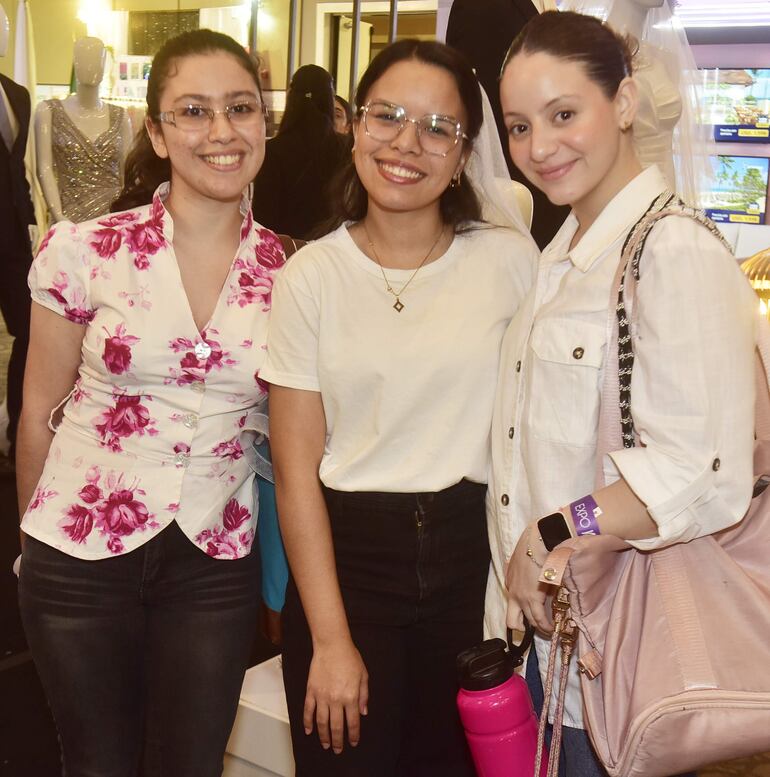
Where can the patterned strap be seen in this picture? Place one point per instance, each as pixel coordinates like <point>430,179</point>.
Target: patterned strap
<point>666,204</point>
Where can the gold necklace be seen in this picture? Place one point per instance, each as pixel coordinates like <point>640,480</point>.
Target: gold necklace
<point>398,306</point>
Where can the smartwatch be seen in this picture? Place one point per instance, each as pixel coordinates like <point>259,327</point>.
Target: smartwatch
<point>554,530</point>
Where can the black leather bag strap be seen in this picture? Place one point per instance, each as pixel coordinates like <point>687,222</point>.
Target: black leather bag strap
<point>663,206</point>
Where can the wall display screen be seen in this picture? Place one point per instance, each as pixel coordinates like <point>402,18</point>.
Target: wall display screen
<point>737,103</point>
<point>739,191</point>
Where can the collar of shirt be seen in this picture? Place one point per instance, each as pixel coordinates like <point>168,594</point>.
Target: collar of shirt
<point>617,218</point>
<point>159,212</point>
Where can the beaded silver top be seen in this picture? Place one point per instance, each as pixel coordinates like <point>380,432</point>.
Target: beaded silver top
<point>87,172</point>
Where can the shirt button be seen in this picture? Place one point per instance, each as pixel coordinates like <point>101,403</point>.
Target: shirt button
<point>518,366</point>
<point>198,386</point>
<point>504,499</point>
<point>578,353</point>
<point>190,421</point>
<point>510,433</point>
<point>182,460</point>
<point>716,465</point>
<point>202,350</point>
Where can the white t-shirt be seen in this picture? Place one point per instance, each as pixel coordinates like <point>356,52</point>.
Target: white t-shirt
<point>408,396</point>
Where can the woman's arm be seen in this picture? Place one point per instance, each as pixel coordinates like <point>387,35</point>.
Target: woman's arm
<point>337,689</point>
<point>623,514</point>
<point>52,366</point>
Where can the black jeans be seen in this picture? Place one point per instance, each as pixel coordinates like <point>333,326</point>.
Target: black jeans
<point>143,652</point>
<point>413,572</point>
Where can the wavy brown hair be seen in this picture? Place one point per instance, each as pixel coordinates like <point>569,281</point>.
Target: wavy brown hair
<point>145,170</point>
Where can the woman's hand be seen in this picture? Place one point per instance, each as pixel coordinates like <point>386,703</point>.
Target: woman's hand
<point>337,694</point>
<point>525,593</point>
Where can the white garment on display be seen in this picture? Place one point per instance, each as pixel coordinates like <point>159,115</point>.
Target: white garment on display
<point>667,131</point>
<point>660,108</point>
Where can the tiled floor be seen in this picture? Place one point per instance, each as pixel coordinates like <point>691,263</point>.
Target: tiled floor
<point>28,746</point>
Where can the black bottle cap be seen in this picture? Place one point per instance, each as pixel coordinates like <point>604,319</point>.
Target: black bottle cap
<point>484,666</point>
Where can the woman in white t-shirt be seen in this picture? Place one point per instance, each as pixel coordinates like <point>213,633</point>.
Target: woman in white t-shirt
<point>569,102</point>
<point>383,356</point>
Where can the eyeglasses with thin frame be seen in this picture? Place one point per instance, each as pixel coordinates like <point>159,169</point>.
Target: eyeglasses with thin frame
<point>244,113</point>
<point>437,134</point>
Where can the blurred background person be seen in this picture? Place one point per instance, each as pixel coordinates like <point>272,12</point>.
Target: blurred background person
<point>343,115</point>
<point>290,190</point>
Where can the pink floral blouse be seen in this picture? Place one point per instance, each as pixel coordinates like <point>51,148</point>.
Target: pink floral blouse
<point>159,424</point>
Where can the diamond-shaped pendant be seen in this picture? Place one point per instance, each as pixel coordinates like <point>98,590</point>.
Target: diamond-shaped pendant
<point>398,305</point>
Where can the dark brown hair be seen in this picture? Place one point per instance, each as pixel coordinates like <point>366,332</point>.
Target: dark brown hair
<point>605,55</point>
<point>309,100</point>
<point>145,170</point>
<point>458,204</point>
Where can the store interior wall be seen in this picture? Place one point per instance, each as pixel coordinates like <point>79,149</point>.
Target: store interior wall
<point>56,23</point>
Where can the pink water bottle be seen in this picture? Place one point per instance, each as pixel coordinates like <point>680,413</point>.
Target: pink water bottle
<point>496,709</point>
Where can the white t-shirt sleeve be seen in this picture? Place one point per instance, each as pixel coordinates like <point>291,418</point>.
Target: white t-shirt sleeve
<point>292,340</point>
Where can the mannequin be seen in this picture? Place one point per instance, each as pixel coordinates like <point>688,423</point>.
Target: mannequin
<point>483,31</point>
<point>82,142</point>
<point>16,216</point>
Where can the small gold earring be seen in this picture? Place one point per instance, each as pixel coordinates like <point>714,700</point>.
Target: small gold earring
<point>455,182</point>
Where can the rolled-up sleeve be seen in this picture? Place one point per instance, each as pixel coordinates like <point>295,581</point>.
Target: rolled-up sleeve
<point>692,392</point>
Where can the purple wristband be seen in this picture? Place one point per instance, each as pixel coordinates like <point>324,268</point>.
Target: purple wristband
<point>584,514</point>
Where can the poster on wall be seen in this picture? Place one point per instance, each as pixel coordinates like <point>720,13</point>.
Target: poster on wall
<point>738,193</point>
<point>737,103</point>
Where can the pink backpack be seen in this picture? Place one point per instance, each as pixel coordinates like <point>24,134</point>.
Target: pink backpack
<point>673,644</point>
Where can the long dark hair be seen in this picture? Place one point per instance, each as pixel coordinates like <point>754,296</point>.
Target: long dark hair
<point>605,55</point>
<point>145,170</point>
<point>309,101</point>
<point>458,204</point>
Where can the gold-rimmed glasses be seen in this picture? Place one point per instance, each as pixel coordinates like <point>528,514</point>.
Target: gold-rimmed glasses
<point>244,113</point>
<point>437,134</point>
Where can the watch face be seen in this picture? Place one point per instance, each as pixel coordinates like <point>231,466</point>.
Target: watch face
<point>554,530</point>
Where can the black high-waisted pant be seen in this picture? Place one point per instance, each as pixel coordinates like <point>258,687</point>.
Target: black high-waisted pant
<point>413,572</point>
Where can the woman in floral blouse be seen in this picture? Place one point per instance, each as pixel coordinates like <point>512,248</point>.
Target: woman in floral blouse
<point>138,587</point>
